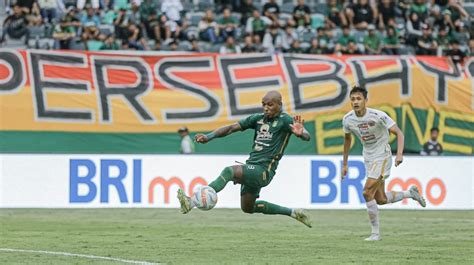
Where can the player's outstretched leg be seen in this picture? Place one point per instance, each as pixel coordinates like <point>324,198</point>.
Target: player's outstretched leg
<point>219,183</point>
<point>270,208</point>
<point>301,216</point>
<point>413,193</point>
<point>185,201</point>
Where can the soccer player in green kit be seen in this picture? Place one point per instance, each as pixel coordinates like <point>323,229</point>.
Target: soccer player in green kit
<point>273,129</point>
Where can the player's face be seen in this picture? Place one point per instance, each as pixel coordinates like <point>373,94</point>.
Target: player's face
<point>270,107</point>
<point>434,135</point>
<point>358,101</point>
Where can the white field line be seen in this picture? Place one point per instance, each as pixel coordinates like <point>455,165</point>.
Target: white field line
<point>67,254</point>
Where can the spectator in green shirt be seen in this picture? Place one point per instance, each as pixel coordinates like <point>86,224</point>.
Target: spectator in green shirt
<point>352,49</point>
<point>230,46</point>
<point>426,45</point>
<point>146,8</point>
<point>391,42</point>
<point>257,24</point>
<point>420,8</point>
<point>372,42</point>
<point>344,40</point>
<point>227,24</point>
<point>110,43</point>
<point>295,47</point>
<point>334,15</point>
<point>302,14</point>
<point>63,34</point>
<point>443,40</point>
<point>323,39</point>
<point>315,48</point>
<point>454,12</point>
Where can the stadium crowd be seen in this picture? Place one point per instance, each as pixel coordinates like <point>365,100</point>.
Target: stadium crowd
<point>422,27</point>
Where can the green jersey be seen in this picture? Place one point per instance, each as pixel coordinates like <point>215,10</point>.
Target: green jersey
<point>391,40</point>
<point>258,25</point>
<point>373,42</point>
<point>344,40</point>
<point>270,139</point>
<point>229,20</point>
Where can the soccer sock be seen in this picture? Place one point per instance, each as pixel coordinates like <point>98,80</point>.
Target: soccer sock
<point>219,183</point>
<point>270,208</point>
<point>396,196</point>
<point>373,212</point>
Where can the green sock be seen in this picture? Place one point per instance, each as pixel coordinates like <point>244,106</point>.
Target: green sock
<point>219,183</point>
<point>270,208</point>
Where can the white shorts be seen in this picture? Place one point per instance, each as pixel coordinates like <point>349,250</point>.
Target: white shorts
<point>373,169</point>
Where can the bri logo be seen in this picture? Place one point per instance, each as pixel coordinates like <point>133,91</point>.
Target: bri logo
<point>325,179</point>
<point>110,177</point>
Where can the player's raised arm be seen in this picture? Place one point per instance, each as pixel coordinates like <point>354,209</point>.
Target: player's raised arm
<point>345,154</point>
<point>400,143</point>
<point>298,128</point>
<point>217,133</point>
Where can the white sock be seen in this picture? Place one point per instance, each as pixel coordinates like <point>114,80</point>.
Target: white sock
<point>396,196</point>
<point>406,194</point>
<point>373,211</point>
<point>293,214</point>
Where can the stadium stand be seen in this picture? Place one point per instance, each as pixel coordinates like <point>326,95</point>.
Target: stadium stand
<point>176,25</point>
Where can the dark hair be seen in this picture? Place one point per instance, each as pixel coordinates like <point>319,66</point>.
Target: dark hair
<point>359,89</point>
<point>434,129</point>
<point>183,129</point>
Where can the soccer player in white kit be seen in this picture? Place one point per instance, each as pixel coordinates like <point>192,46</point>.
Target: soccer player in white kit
<point>372,127</point>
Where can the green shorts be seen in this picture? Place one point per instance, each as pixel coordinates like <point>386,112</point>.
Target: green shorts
<point>255,178</point>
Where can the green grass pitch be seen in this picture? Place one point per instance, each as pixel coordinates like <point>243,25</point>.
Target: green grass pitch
<point>228,236</point>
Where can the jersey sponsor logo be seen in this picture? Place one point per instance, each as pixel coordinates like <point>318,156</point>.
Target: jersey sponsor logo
<point>368,137</point>
<point>371,123</point>
<point>363,126</point>
<point>262,143</point>
<point>365,134</point>
<point>264,133</point>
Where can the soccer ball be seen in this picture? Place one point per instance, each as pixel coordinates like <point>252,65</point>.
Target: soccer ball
<point>205,198</point>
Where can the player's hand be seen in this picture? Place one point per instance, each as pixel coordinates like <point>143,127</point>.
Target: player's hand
<point>398,159</point>
<point>201,138</point>
<point>297,127</point>
<point>343,172</point>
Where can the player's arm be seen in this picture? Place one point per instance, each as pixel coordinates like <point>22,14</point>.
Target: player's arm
<point>217,133</point>
<point>345,153</point>
<point>298,129</point>
<point>400,143</point>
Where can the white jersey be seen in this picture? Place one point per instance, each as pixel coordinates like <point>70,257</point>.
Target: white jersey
<point>372,131</point>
